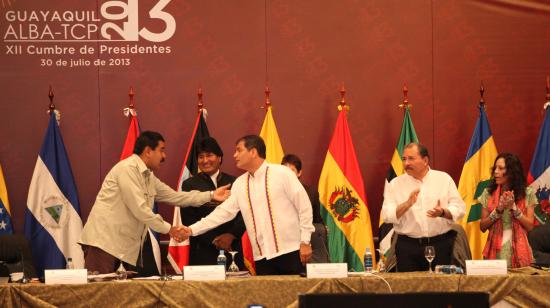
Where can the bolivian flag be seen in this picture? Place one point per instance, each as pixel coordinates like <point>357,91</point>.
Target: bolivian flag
<point>475,176</point>
<point>344,203</point>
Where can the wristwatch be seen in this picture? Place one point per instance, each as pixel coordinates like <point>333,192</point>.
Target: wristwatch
<point>211,194</point>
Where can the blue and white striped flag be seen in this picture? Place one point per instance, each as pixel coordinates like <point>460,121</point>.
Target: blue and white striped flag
<point>52,220</point>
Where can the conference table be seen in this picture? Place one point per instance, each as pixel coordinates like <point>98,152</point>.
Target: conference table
<point>525,287</point>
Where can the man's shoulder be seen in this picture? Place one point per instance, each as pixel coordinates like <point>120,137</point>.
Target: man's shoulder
<point>440,174</point>
<point>280,169</point>
<point>227,177</point>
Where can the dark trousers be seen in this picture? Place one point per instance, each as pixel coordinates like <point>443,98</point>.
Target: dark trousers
<point>410,251</point>
<point>287,264</point>
<point>97,261</point>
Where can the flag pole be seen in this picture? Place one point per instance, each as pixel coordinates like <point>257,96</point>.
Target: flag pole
<point>481,93</point>
<point>267,99</point>
<point>342,105</point>
<point>51,96</point>
<point>405,104</point>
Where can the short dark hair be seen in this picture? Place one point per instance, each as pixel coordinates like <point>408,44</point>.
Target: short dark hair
<point>209,145</point>
<point>292,159</point>
<point>422,149</point>
<point>147,139</point>
<point>253,142</point>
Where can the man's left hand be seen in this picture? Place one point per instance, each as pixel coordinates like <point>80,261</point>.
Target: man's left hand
<point>223,241</point>
<point>437,211</point>
<point>305,252</point>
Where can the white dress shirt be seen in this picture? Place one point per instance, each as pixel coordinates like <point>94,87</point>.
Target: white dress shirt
<point>277,223</point>
<point>436,185</point>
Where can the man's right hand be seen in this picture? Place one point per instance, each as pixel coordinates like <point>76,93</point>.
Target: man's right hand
<point>404,207</point>
<point>180,233</point>
<point>413,196</point>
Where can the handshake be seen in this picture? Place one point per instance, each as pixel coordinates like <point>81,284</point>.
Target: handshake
<point>180,233</point>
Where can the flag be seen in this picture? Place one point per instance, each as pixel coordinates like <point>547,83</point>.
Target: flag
<point>273,154</point>
<point>5,218</point>
<point>274,150</point>
<point>539,172</point>
<point>127,150</point>
<point>408,135</point>
<point>52,219</point>
<point>178,253</point>
<point>344,205</point>
<point>476,175</point>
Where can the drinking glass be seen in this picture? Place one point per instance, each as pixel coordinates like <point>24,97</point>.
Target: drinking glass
<point>233,267</point>
<point>429,253</point>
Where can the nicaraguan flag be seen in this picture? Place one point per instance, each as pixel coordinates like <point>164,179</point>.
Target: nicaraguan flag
<point>52,219</point>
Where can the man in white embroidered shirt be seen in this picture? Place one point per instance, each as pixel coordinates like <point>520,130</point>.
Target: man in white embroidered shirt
<point>422,205</point>
<point>275,208</point>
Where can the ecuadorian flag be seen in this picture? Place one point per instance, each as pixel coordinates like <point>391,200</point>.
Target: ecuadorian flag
<point>344,203</point>
<point>273,149</point>
<point>475,176</point>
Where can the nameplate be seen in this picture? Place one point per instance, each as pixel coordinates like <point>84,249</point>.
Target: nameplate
<point>486,267</point>
<point>204,272</point>
<point>66,276</point>
<point>327,270</point>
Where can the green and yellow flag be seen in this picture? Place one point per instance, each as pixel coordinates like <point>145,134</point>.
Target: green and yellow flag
<point>344,203</point>
<point>274,149</point>
<point>475,176</point>
<point>408,135</point>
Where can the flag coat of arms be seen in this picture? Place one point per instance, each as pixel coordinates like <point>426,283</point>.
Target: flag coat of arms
<point>178,253</point>
<point>52,220</point>
<point>344,205</point>
<point>539,172</point>
<point>476,175</point>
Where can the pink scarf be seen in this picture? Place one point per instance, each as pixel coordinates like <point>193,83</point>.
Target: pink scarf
<point>521,253</point>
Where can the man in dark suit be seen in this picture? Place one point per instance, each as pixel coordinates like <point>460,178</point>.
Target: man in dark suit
<point>319,236</point>
<point>204,249</point>
<point>539,239</point>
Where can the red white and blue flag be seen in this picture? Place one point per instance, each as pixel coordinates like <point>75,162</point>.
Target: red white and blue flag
<point>539,172</point>
<point>178,253</point>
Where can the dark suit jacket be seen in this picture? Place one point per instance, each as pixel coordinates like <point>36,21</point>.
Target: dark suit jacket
<point>313,195</point>
<point>202,251</point>
<point>539,239</point>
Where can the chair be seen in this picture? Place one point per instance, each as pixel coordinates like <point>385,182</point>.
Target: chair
<point>15,253</point>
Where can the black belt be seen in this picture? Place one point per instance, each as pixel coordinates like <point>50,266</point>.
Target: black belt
<point>427,240</point>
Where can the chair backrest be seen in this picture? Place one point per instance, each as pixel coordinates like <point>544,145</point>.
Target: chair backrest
<point>15,252</point>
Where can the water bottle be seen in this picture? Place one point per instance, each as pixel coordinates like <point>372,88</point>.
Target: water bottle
<point>222,259</point>
<point>70,264</point>
<point>368,261</point>
<point>121,273</point>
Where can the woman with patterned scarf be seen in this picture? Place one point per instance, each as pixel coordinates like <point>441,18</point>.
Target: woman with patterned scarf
<point>508,213</point>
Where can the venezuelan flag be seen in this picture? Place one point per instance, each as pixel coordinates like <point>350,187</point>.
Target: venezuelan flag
<point>344,203</point>
<point>475,176</point>
<point>5,218</point>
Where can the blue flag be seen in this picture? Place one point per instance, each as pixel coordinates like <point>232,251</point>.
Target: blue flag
<point>539,172</point>
<point>52,220</point>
